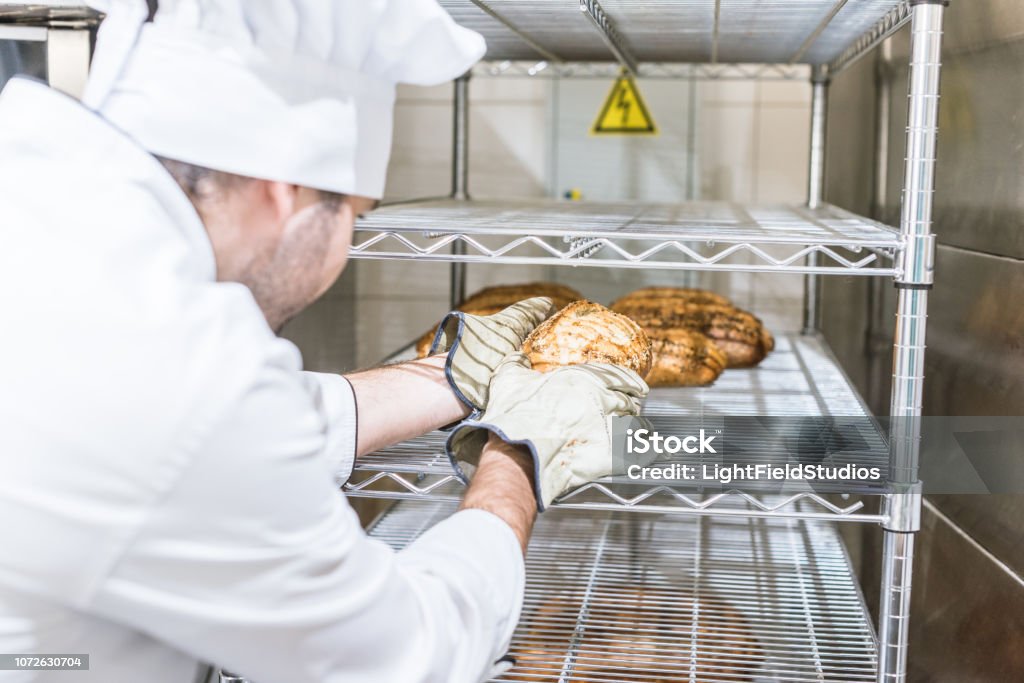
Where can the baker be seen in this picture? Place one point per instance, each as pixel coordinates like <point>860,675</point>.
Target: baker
<point>168,473</point>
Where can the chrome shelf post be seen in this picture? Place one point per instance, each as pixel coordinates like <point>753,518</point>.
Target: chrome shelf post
<point>913,280</point>
<point>815,189</point>
<point>460,181</point>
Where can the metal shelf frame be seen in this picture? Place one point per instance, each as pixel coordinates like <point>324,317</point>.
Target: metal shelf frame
<point>907,255</point>
<point>605,236</point>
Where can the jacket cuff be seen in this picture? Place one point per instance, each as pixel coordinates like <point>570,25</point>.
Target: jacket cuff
<point>336,402</point>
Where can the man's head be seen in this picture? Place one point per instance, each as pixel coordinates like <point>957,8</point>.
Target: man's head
<point>297,93</point>
<point>287,243</point>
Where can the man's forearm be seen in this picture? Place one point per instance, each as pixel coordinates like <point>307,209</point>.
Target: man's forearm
<point>503,486</point>
<point>398,402</point>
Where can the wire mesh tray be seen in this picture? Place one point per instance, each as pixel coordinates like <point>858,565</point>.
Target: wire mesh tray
<point>689,236</point>
<point>617,598</point>
<point>722,31</point>
<point>799,378</point>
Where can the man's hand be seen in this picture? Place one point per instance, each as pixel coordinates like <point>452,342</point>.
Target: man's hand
<point>560,416</point>
<point>477,344</point>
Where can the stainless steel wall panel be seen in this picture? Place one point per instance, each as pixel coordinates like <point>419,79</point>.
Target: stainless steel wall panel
<point>979,200</point>
<point>993,521</point>
<point>975,360</point>
<point>851,130</point>
<point>967,611</point>
<point>849,182</point>
<point>982,24</point>
<point>974,366</point>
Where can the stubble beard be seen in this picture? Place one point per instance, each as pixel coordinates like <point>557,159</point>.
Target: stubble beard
<point>287,280</point>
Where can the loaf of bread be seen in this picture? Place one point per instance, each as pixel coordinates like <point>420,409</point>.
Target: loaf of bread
<point>741,336</point>
<point>634,634</point>
<point>683,357</point>
<point>687,294</point>
<point>506,295</point>
<point>586,332</point>
<point>491,300</point>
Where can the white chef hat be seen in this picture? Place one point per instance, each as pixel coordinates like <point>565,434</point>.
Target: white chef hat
<point>300,91</point>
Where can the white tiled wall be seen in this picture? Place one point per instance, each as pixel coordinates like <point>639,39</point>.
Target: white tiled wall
<point>529,138</point>
<point>621,167</point>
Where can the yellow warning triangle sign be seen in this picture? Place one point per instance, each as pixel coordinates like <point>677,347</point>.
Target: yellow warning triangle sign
<point>624,111</point>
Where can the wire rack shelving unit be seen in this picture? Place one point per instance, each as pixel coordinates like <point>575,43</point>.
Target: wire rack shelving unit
<point>699,556</point>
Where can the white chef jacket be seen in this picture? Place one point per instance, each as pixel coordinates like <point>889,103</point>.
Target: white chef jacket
<point>167,489</point>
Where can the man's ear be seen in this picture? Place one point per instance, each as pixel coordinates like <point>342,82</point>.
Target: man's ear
<point>282,198</point>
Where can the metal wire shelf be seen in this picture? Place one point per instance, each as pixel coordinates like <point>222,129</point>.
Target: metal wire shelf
<point>885,26</point>
<point>617,598</point>
<point>651,70</point>
<point>799,378</point>
<point>698,31</point>
<point>688,236</point>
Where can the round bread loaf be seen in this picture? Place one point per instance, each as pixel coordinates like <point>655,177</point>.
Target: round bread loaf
<point>510,294</point>
<point>683,358</point>
<point>491,300</point>
<point>587,332</point>
<point>634,633</point>
<point>738,334</point>
<point>688,294</point>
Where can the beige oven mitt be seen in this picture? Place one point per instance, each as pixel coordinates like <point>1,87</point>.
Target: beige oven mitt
<point>561,416</point>
<point>476,344</point>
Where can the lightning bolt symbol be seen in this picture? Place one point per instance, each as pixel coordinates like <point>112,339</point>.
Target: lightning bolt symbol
<point>623,104</point>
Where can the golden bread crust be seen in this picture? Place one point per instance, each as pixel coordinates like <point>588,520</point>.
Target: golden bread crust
<point>587,332</point>
<point>740,335</point>
<point>682,357</point>
<point>510,294</point>
<point>630,628</point>
<point>688,294</point>
<point>491,300</point>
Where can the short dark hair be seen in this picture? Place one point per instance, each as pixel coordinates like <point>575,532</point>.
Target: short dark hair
<point>201,183</point>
